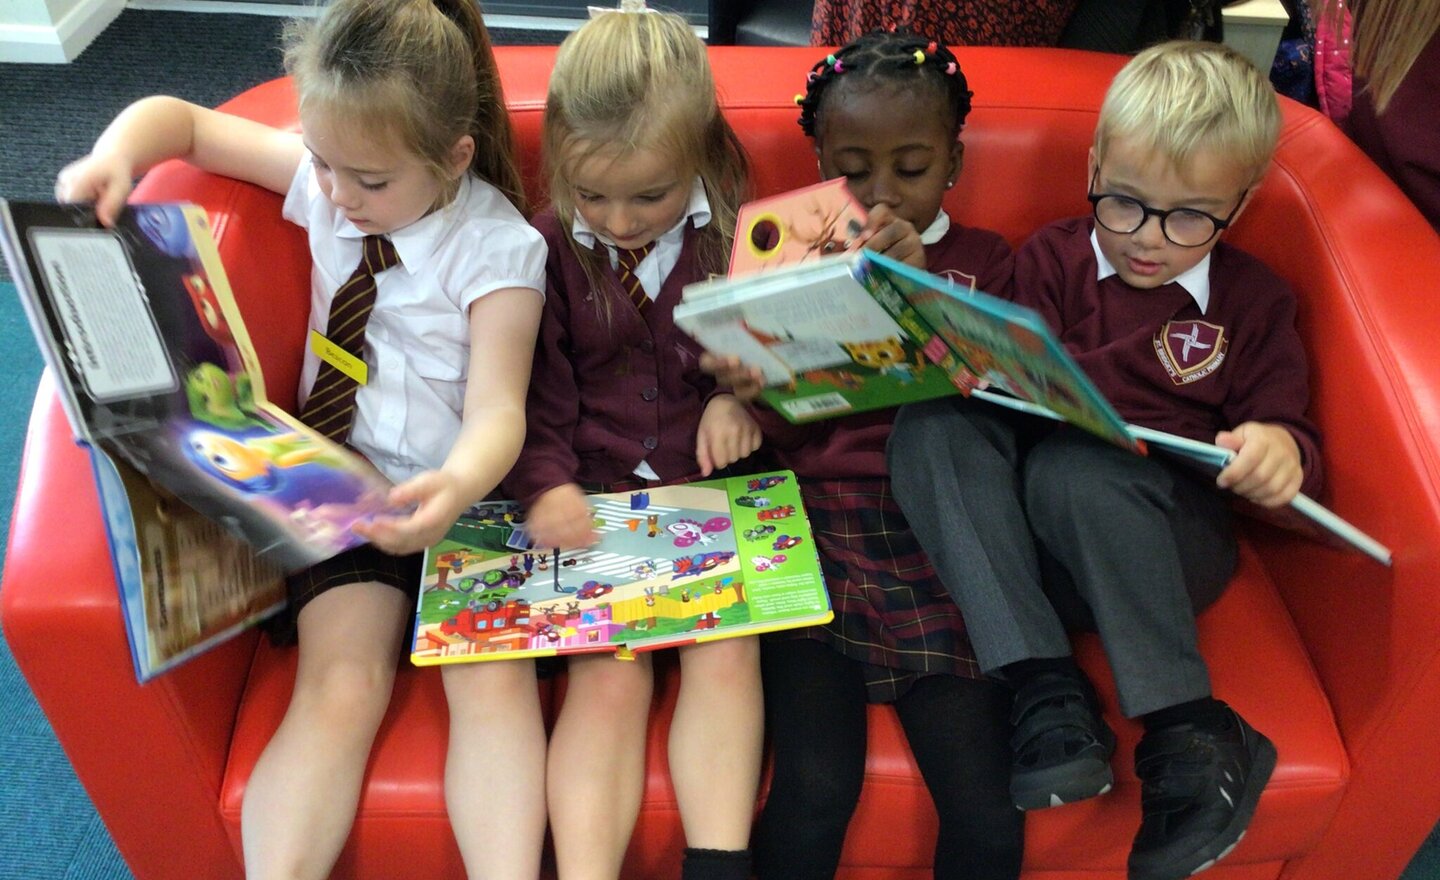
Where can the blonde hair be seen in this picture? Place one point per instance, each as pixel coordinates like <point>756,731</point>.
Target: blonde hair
<point>1182,97</point>
<point>628,81</point>
<point>1386,38</point>
<point>418,72</point>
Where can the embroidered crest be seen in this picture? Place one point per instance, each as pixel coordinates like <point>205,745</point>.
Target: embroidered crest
<point>962,280</point>
<point>1190,350</point>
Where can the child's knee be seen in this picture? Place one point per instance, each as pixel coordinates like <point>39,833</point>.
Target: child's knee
<point>730,658</point>
<point>344,693</point>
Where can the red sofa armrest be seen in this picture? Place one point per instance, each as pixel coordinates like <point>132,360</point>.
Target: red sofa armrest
<point>144,753</point>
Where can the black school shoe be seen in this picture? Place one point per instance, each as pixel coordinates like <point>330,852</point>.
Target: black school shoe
<point>1061,745</point>
<point>1198,791</point>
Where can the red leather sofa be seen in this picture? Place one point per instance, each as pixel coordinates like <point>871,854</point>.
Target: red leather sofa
<point>1334,656</point>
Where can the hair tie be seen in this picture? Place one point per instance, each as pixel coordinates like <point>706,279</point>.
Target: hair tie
<point>624,6</point>
<point>950,69</point>
<point>919,57</point>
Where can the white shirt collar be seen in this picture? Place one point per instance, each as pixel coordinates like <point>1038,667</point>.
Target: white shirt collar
<point>937,228</point>
<point>697,210</point>
<point>1195,280</point>
<point>416,242</point>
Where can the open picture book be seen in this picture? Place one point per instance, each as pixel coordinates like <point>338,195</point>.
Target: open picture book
<point>209,492</point>
<point>674,565</point>
<point>857,332</point>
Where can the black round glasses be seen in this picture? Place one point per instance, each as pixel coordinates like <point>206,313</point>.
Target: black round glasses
<point>1186,227</point>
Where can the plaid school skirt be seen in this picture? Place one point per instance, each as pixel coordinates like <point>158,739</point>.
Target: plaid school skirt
<point>356,565</point>
<point>892,614</point>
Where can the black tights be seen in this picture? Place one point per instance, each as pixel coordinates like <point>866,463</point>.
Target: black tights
<point>958,730</point>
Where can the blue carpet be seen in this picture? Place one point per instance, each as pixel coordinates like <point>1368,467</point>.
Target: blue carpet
<point>48,827</point>
<point>57,834</point>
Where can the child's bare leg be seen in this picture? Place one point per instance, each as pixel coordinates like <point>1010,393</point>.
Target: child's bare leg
<point>300,801</point>
<point>496,727</point>
<point>596,773</point>
<point>716,738</point>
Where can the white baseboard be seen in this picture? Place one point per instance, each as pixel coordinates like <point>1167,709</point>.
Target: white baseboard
<point>62,41</point>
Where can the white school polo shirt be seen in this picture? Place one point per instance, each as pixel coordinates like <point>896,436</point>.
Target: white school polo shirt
<point>417,340</point>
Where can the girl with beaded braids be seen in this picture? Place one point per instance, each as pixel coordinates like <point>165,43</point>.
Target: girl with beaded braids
<point>646,177</point>
<point>885,113</point>
<point>404,167</point>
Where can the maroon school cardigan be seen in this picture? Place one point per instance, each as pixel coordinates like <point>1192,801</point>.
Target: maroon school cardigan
<point>1405,140</point>
<point>1119,335</point>
<point>606,394</point>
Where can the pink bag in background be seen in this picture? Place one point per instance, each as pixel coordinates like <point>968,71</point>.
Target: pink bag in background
<point>1334,78</point>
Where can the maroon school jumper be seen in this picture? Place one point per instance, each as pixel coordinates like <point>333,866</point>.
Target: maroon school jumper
<point>1159,360</point>
<point>892,614</point>
<point>1405,140</point>
<point>608,394</point>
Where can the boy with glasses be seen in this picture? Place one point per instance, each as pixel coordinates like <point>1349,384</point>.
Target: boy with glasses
<point>1037,528</point>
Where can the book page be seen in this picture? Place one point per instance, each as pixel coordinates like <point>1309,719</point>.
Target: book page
<point>672,564</point>
<point>114,344</point>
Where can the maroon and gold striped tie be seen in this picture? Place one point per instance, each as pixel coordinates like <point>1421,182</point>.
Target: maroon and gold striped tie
<point>330,408</point>
<point>628,260</point>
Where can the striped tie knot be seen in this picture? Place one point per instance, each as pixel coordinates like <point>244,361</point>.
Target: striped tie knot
<point>330,408</point>
<point>628,260</point>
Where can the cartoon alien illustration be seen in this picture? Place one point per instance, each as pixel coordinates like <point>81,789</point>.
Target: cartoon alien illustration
<point>219,398</point>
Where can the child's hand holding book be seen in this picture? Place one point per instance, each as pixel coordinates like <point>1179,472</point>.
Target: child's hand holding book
<point>561,517</point>
<point>1266,469</point>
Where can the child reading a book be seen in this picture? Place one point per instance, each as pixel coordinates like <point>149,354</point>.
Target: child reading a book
<point>645,179</point>
<point>404,179</point>
<point>886,113</point>
<point>1037,527</point>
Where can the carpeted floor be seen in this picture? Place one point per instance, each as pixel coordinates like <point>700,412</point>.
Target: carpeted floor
<point>48,116</point>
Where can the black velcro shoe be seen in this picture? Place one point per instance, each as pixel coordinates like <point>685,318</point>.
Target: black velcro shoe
<point>1198,792</point>
<point>1061,747</point>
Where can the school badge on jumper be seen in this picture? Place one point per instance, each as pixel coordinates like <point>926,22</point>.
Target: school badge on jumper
<point>1190,350</point>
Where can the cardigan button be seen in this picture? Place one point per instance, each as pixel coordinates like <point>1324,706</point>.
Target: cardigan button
<point>650,442</point>
<point>650,393</point>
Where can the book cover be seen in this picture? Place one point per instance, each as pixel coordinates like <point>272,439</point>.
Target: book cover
<point>674,565</point>
<point>826,345</point>
<point>795,227</point>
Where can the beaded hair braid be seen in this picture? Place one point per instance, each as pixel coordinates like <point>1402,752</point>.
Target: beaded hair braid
<point>894,56</point>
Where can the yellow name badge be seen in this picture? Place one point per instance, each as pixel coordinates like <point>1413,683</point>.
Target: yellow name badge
<point>338,357</point>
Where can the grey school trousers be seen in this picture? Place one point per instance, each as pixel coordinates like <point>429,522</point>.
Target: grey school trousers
<point>1036,528</point>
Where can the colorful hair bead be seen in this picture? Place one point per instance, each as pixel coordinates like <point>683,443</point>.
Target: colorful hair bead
<point>951,68</point>
<point>839,68</point>
<point>830,59</point>
<point>799,100</point>
<point>919,57</point>
<point>812,76</point>
<point>931,47</point>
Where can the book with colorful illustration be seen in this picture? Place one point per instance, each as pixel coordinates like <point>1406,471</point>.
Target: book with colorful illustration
<point>159,379</point>
<point>673,565</point>
<point>860,331</point>
<point>795,227</point>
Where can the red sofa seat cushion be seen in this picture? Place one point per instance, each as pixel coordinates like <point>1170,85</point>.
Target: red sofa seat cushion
<point>1257,663</point>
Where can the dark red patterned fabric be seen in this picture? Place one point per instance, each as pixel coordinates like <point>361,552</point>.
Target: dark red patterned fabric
<point>955,22</point>
<point>891,611</point>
